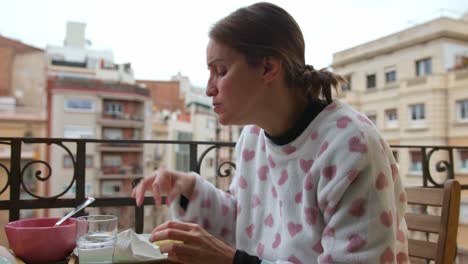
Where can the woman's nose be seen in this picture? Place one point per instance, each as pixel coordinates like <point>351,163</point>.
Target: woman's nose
<point>211,89</point>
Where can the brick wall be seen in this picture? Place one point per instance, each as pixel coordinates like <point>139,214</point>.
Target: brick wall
<point>165,95</point>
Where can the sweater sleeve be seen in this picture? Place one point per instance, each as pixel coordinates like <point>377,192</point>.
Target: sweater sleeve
<point>213,209</point>
<point>357,199</point>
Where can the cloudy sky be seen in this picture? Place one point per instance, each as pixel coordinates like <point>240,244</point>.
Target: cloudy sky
<point>161,38</point>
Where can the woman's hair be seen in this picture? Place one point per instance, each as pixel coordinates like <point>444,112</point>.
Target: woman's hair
<point>266,30</point>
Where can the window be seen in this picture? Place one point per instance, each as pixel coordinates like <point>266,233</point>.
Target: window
<point>416,161</point>
<point>67,161</point>
<point>113,133</point>
<point>111,188</point>
<point>462,109</point>
<point>391,118</point>
<point>424,67</point>
<point>113,108</point>
<point>79,105</point>
<point>371,81</point>
<point>417,112</point>
<point>463,154</point>
<point>182,152</point>
<point>372,118</point>
<point>390,75</point>
<point>112,161</point>
<point>346,86</point>
<point>72,190</point>
<point>72,131</point>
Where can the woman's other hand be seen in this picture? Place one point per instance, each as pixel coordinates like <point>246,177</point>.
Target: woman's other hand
<point>198,245</point>
<point>167,183</point>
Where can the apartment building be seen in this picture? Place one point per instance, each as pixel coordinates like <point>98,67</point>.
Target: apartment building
<point>22,114</point>
<point>413,85</point>
<point>92,97</point>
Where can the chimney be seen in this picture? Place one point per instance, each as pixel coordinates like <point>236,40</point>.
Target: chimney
<point>75,36</point>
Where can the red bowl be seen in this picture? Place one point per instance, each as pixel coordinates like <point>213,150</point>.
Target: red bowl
<point>37,240</point>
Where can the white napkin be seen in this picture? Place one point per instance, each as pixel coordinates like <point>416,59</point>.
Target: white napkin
<point>131,246</point>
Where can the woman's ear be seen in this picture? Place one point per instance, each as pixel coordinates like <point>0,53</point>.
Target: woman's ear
<point>271,69</point>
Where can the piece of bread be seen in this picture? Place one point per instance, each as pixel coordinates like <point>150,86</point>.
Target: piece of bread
<point>166,242</point>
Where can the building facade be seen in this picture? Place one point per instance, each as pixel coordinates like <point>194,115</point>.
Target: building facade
<point>414,86</point>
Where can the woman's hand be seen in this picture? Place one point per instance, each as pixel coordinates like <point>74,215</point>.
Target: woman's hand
<point>165,183</point>
<point>199,246</point>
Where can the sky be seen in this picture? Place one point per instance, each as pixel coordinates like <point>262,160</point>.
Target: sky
<point>162,38</point>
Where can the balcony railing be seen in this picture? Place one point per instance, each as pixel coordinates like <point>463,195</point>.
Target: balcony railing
<point>14,173</point>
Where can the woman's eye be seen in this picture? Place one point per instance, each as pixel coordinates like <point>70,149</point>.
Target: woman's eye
<point>221,71</point>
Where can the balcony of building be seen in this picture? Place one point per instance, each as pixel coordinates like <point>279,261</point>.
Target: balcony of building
<point>429,166</point>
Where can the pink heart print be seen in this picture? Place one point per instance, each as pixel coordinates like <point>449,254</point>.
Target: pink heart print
<point>355,242</point>
<point>352,174</point>
<point>387,256</point>
<point>311,215</point>
<point>248,154</point>
<point>263,173</point>
<point>271,162</point>
<point>318,248</point>
<point>225,209</point>
<point>225,232</point>
<point>206,203</point>
<point>268,220</point>
<point>326,259</point>
<point>289,149</point>
<point>357,208</point>
<point>314,135</point>
<point>343,122</point>
<point>294,228</point>
<point>381,181</point>
<point>255,130</point>
<point>284,177</point>
<point>329,172</point>
<point>328,231</point>
<point>298,197</point>
<point>249,230</point>
<point>323,147</point>
<point>256,201</point>
<point>355,145</point>
<point>306,164</point>
<point>206,224</point>
<point>242,182</point>
<point>308,185</point>
<point>365,120</point>
<point>401,258</point>
<point>277,241</point>
<point>274,192</point>
<point>260,249</point>
<point>386,218</point>
<point>293,259</point>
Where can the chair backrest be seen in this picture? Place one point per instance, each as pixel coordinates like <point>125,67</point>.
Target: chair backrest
<point>445,225</point>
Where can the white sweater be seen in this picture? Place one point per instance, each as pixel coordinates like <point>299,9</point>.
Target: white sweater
<point>333,195</point>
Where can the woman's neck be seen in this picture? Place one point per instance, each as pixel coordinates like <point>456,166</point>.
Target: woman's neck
<point>281,109</point>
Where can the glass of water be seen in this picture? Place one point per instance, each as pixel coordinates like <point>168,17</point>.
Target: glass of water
<point>96,238</point>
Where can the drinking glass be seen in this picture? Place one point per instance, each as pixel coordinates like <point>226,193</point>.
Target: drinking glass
<point>96,238</point>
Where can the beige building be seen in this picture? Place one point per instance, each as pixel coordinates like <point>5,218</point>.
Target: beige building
<point>413,85</point>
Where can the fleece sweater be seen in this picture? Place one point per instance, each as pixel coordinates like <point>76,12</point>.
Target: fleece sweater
<point>332,195</point>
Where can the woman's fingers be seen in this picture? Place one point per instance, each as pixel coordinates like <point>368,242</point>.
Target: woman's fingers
<point>176,225</point>
<point>187,237</point>
<point>139,191</point>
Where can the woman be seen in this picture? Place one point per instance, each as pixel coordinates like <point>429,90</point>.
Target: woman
<point>315,182</point>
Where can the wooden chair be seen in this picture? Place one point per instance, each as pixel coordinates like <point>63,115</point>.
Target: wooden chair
<point>444,225</point>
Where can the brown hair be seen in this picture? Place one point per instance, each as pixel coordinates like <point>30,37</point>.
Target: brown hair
<point>266,30</point>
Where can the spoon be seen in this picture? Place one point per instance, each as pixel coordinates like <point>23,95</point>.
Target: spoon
<point>81,206</point>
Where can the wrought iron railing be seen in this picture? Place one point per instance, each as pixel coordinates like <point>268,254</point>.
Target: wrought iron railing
<point>15,172</point>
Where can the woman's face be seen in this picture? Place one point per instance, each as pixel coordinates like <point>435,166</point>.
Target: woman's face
<point>234,85</point>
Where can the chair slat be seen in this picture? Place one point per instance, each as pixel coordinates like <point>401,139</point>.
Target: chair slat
<point>423,223</point>
<point>422,249</point>
<point>425,196</point>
